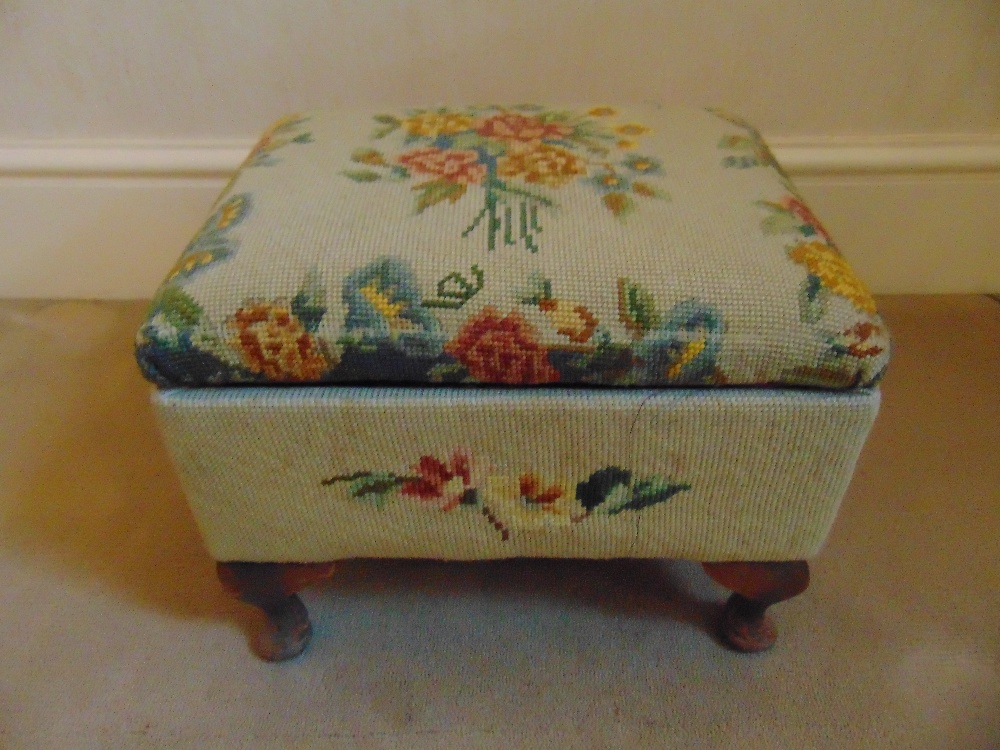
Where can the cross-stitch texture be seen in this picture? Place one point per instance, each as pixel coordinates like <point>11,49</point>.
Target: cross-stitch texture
<point>328,473</point>
<point>464,483</point>
<point>521,245</point>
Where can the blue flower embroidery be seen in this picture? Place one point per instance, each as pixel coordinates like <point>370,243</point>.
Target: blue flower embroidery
<point>212,243</point>
<point>384,305</point>
<point>684,348</point>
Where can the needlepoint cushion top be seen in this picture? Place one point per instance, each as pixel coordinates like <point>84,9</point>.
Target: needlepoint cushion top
<point>514,245</point>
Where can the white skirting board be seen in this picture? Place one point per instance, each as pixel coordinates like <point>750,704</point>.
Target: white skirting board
<point>106,220</point>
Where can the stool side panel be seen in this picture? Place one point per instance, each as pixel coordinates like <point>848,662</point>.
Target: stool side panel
<point>315,474</point>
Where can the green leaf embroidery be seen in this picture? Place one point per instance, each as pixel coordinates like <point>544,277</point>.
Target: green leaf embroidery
<point>813,299</point>
<point>362,175</point>
<point>370,486</point>
<point>538,288</point>
<point>780,222</point>
<point>303,138</point>
<point>647,492</point>
<point>398,172</point>
<point>309,304</point>
<point>454,290</point>
<point>389,123</point>
<point>180,310</point>
<point>375,486</point>
<point>637,309</point>
<point>432,193</point>
<point>368,156</point>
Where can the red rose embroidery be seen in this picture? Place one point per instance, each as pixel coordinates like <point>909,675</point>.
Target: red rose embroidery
<point>511,126</point>
<point>440,483</point>
<point>502,350</point>
<point>462,167</point>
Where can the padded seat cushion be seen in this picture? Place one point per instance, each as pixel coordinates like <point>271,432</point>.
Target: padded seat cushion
<point>524,245</point>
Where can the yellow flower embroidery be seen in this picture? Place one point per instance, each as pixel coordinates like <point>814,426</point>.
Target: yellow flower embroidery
<point>834,273</point>
<point>433,124</point>
<point>627,144</point>
<point>506,497</point>
<point>632,129</point>
<point>542,163</point>
<point>571,319</point>
<point>602,112</point>
<point>230,212</point>
<point>391,310</point>
<point>692,350</point>
<point>189,263</point>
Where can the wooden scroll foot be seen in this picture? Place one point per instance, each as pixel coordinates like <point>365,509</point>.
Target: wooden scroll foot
<point>757,585</point>
<point>272,587</point>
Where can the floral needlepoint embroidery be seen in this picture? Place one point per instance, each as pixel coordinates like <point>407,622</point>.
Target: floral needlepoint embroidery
<point>644,165</point>
<point>541,164</point>
<point>458,167</point>
<point>213,241</point>
<point>384,306</point>
<point>632,129</point>
<point>446,485</point>
<point>864,339</point>
<point>570,319</point>
<point>748,148</point>
<point>525,501</point>
<point>827,265</point>
<point>497,349</point>
<point>790,214</point>
<point>513,157</point>
<point>275,343</point>
<point>855,356</point>
<point>283,133</point>
<point>849,358</point>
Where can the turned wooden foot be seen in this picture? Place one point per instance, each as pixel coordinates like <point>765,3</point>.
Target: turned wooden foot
<point>272,587</point>
<point>756,585</point>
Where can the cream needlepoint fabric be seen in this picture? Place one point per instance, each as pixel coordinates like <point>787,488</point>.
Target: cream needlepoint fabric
<point>640,246</point>
<point>312,474</point>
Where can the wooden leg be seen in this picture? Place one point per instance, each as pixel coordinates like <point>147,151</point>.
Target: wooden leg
<point>272,587</point>
<point>757,585</point>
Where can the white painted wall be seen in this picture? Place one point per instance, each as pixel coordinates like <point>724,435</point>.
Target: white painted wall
<point>224,68</point>
<point>120,118</point>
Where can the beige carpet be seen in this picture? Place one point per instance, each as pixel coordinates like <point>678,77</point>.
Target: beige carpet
<point>116,634</point>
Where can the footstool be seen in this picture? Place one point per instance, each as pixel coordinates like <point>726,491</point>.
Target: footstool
<point>495,331</point>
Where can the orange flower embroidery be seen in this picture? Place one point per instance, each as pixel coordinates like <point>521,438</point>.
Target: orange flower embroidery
<point>541,163</point>
<point>273,342</point>
<point>570,319</point>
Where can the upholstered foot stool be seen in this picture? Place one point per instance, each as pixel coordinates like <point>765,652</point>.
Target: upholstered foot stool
<point>486,332</point>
